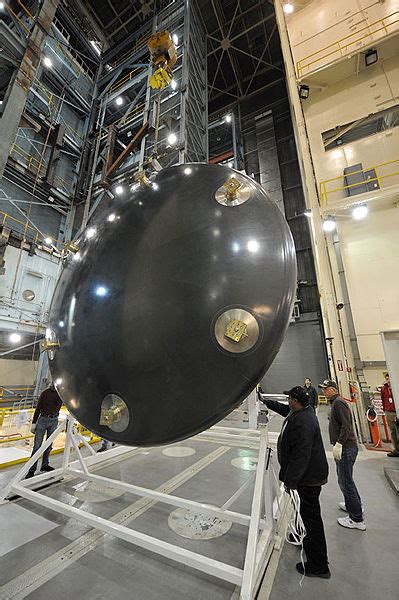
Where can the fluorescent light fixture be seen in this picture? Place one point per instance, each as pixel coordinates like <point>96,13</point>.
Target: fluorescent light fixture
<point>48,240</point>
<point>228,118</point>
<point>119,101</point>
<point>360,212</point>
<point>188,171</point>
<point>172,139</point>
<point>119,190</point>
<point>111,217</point>
<point>91,232</point>
<point>371,57</point>
<point>175,39</point>
<point>96,48</point>
<point>15,338</point>
<point>47,62</point>
<point>173,84</point>
<point>329,225</point>
<point>288,8</point>
<point>304,92</point>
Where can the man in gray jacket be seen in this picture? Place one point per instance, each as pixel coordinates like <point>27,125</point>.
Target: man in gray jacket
<point>345,449</point>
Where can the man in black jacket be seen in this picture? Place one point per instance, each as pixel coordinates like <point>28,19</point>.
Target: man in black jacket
<point>313,395</point>
<point>304,467</point>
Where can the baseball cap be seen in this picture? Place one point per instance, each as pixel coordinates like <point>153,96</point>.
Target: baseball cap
<point>299,394</point>
<point>328,383</point>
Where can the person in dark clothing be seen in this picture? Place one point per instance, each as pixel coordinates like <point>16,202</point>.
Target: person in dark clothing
<point>45,422</point>
<point>345,449</point>
<point>313,395</point>
<point>303,467</point>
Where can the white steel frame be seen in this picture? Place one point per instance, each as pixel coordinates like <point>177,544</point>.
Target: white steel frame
<point>262,523</point>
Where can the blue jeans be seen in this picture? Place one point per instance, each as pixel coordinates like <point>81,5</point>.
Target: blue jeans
<point>45,425</point>
<point>353,502</point>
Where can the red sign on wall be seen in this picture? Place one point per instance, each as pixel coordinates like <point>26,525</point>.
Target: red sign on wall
<point>340,365</point>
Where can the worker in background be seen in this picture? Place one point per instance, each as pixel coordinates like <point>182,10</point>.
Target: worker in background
<point>45,422</point>
<point>388,405</point>
<point>303,467</point>
<point>312,392</point>
<point>345,449</point>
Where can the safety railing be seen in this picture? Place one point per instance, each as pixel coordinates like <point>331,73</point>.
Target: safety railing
<point>31,233</point>
<point>46,94</point>
<point>28,16</point>
<point>141,41</point>
<point>125,120</point>
<point>125,79</point>
<point>31,162</point>
<point>345,45</point>
<point>335,189</point>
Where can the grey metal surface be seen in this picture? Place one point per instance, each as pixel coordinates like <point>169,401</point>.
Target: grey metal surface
<point>301,355</point>
<point>134,311</point>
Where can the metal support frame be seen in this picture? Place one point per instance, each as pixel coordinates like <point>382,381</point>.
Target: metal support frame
<point>262,523</point>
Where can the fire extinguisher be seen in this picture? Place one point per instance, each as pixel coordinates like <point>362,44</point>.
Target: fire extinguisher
<point>372,419</point>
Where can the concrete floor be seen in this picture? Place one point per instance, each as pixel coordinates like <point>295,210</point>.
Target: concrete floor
<point>45,555</point>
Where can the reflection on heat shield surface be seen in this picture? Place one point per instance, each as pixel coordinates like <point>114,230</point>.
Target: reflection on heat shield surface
<point>173,309</point>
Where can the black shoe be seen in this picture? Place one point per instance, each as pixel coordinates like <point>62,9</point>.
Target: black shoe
<point>46,469</point>
<point>30,474</point>
<point>310,573</point>
<point>102,449</point>
<point>391,454</point>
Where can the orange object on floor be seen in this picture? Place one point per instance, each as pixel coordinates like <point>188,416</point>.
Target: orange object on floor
<point>372,418</point>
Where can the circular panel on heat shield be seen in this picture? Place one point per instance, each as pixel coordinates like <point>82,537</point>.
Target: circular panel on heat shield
<point>177,305</point>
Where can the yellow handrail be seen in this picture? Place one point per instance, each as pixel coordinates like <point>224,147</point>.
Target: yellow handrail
<point>139,42</point>
<point>344,43</point>
<point>35,238</point>
<point>325,191</point>
<point>33,163</point>
<point>123,80</point>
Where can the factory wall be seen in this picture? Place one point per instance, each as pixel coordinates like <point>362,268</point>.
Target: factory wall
<point>17,372</point>
<point>340,93</point>
<point>370,251</point>
<point>319,25</point>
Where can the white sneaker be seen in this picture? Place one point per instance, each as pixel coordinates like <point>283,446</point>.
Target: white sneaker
<point>342,506</point>
<point>347,522</point>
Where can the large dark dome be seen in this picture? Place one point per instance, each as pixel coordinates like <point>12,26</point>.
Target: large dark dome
<point>174,307</point>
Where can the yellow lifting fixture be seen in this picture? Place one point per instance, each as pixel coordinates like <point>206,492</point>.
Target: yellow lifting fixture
<point>163,56</point>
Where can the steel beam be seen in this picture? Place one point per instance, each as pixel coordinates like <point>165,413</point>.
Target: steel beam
<point>17,95</point>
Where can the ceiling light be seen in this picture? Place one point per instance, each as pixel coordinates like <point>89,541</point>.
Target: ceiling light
<point>188,171</point>
<point>172,139</point>
<point>47,62</point>
<point>288,8</point>
<point>48,240</point>
<point>371,57</point>
<point>101,291</point>
<point>91,232</point>
<point>2,6</point>
<point>96,48</point>
<point>175,39</point>
<point>308,212</point>
<point>61,324</point>
<point>119,190</point>
<point>119,101</point>
<point>304,92</point>
<point>228,118</point>
<point>15,338</point>
<point>329,225</point>
<point>173,84</point>
<point>111,217</point>
<point>360,212</point>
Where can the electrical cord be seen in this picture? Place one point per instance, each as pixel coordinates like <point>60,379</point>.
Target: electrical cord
<point>296,531</point>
